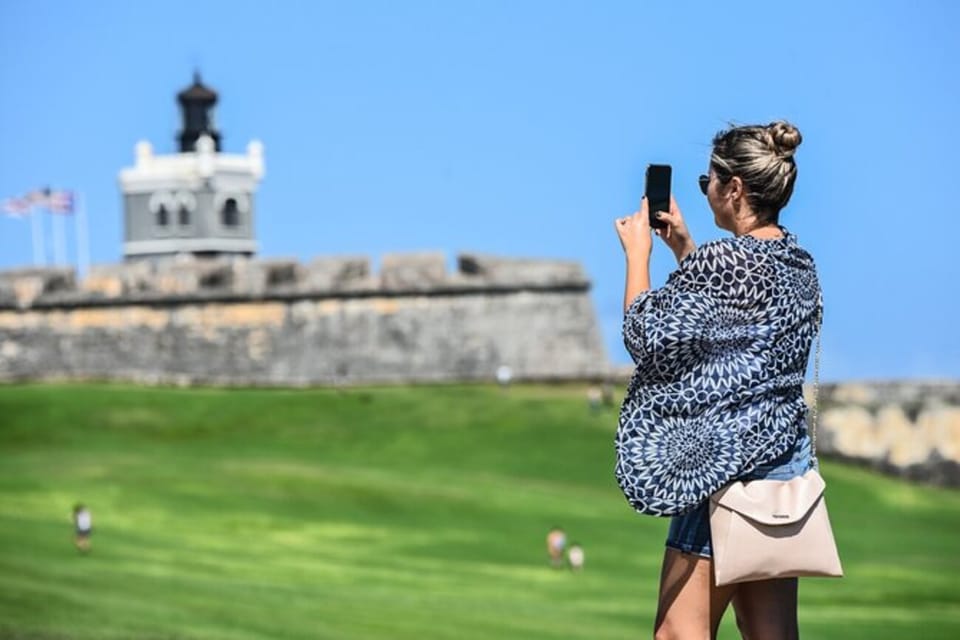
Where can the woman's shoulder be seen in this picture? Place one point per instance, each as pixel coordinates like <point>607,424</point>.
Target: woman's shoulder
<point>746,250</point>
<point>716,255</point>
<point>729,268</point>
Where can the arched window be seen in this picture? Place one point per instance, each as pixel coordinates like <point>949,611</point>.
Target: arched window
<point>184,203</point>
<point>230,213</point>
<point>162,207</point>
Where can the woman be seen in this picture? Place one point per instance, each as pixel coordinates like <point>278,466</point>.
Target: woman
<point>721,351</point>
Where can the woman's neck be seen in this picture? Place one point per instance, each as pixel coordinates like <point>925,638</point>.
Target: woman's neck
<point>750,224</point>
<point>770,231</point>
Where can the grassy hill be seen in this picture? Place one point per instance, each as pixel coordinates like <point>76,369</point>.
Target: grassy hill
<point>387,513</point>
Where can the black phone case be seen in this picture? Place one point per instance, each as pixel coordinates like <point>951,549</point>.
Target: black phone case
<point>657,192</point>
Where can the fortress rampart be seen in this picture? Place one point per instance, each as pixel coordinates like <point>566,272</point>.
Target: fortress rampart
<point>909,429</point>
<point>280,322</point>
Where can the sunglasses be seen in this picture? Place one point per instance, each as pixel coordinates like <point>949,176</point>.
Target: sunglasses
<point>704,183</point>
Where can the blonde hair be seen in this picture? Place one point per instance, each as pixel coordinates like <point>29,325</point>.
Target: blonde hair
<point>762,155</point>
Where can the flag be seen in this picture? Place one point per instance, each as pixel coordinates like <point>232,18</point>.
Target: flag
<point>38,198</point>
<point>60,201</point>
<point>16,207</point>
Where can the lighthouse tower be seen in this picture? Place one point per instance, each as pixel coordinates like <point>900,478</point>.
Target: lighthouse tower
<point>199,201</point>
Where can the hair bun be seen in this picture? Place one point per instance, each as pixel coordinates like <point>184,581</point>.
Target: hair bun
<point>786,137</point>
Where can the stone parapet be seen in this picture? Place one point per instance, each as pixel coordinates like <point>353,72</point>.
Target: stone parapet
<point>186,278</point>
<point>280,322</point>
<point>338,274</point>
<point>413,271</point>
<point>910,429</point>
<point>20,288</point>
<point>520,271</point>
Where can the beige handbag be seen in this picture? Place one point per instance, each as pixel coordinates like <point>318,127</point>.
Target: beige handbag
<point>764,529</point>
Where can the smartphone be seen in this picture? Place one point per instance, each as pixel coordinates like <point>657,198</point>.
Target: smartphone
<point>657,190</point>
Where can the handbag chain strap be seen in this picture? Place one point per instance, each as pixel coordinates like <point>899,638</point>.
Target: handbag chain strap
<point>815,410</point>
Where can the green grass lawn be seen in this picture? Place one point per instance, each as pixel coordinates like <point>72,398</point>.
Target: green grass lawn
<point>387,513</point>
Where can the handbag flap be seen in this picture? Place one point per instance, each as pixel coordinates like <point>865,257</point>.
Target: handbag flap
<point>773,501</point>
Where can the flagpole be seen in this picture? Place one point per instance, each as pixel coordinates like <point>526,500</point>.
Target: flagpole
<point>59,239</point>
<point>39,255</point>
<point>83,245</point>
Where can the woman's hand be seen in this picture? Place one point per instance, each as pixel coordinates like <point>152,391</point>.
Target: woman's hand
<point>676,234</point>
<point>634,232</point>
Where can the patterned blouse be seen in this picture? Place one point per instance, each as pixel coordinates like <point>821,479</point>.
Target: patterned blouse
<point>721,350</point>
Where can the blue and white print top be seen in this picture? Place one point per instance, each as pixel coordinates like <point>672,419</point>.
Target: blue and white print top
<point>721,351</point>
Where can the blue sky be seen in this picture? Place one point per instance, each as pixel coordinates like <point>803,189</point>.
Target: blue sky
<point>522,128</point>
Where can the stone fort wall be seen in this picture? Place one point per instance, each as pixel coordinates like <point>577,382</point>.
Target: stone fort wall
<point>908,429</point>
<point>279,322</point>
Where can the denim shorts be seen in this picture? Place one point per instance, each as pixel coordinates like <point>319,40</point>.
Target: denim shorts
<point>690,532</point>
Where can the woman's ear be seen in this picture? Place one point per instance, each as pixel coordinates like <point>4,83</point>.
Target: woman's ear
<point>735,188</point>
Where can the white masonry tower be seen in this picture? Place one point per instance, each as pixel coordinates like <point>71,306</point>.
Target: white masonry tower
<point>197,202</point>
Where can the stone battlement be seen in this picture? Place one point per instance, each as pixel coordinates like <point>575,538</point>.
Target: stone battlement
<point>244,321</point>
<point>910,429</point>
<point>190,279</point>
